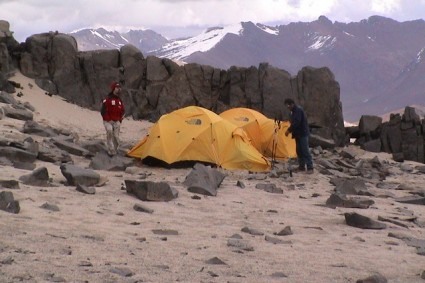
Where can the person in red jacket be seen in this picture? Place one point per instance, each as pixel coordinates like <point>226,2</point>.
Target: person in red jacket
<point>113,113</point>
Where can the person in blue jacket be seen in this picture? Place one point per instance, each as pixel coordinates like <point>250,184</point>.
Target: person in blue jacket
<point>300,132</point>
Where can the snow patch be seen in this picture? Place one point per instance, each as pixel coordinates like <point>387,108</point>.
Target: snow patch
<point>181,49</point>
<point>322,41</point>
<point>269,30</point>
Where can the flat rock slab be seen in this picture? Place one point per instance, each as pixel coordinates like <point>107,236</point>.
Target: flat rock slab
<point>412,200</point>
<point>356,220</point>
<point>339,200</point>
<point>9,184</point>
<point>77,175</point>
<point>270,188</point>
<point>151,191</point>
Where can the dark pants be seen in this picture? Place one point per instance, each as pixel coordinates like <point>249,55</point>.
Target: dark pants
<point>303,153</point>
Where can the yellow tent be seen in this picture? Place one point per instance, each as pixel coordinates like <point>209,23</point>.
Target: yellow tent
<point>266,135</point>
<point>197,134</point>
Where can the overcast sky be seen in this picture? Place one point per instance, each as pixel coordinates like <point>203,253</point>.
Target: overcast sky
<point>175,18</point>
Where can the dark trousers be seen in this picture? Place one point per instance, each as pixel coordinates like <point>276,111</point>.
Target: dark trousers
<point>303,153</point>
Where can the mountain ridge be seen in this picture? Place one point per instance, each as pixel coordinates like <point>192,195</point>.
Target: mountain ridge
<point>374,60</point>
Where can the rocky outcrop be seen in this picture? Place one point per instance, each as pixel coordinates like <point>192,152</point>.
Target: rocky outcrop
<point>155,86</point>
<point>403,135</point>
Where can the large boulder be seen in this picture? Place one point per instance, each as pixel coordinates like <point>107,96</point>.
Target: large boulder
<point>319,93</point>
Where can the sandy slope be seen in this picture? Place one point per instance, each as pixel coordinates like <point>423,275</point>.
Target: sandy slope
<point>93,236</point>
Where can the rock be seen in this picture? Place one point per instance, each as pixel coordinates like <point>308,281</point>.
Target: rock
<point>151,191</point>
<point>102,161</point>
<point>77,175</point>
<point>340,200</point>
<point>419,244</point>
<point>17,154</point>
<point>252,231</point>
<point>39,177</point>
<point>142,208</point>
<point>276,240</point>
<point>204,180</point>
<point>122,271</point>
<point>240,184</point>
<point>411,200</point>
<point>351,186</point>
<point>32,127</point>
<point>284,232</point>
<point>70,147</point>
<point>49,206</point>
<point>270,188</point>
<point>8,203</point>
<point>51,153</point>
<point>363,222</point>
<point>216,261</point>
<point>165,232</point>
<point>19,114</point>
<point>9,184</point>
<point>7,98</point>
<point>85,189</point>
<point>240,244</point>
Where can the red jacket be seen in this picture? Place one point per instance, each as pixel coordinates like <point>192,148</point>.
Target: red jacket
<point>112,108</point>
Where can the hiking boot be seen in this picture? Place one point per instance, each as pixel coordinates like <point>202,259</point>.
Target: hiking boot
<point>310,171</point>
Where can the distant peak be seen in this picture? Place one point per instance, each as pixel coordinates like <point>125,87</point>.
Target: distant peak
<point>324,20</point>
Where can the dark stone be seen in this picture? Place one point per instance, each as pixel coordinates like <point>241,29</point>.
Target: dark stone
<point>351,186</point>
<point>70,147</point>
<point>102,161</point>
<point>240,244</point>
<point>363,222</point>
<point>372,145</point>
<point>240,184</point>
<point>165,232</point>
<point>17,154</point>
<point>204,180</point>
<point>398,156</point>
<point>270,188</point>
<point>7,98</point>
<point>49,206</point>
<point>369,123</point>
<point>51,153</point>
<point>412,200</point>
<point>77,175</point>
<point>39,177</point>
<point>142,208</point>
<point>276,241</point>
<point>8,203</point>
<point>151,191</point>
<point>339,200</point>
<point>252,231</point>
<point>32,127</point>
<point>285,231</point>
<point>9,184</point>
<point>86,190</point>
<point>19,114</point>
<point>216,261</point>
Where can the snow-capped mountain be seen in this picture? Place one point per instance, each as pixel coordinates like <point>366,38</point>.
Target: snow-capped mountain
<point>377,61</point>
<point>92,39</point>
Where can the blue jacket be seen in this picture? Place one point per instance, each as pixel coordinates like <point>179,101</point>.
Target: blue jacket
<point>299,124</point>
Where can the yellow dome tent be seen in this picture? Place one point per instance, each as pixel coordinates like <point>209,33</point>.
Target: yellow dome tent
<point>197,134</point>
<point>267,135</point>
